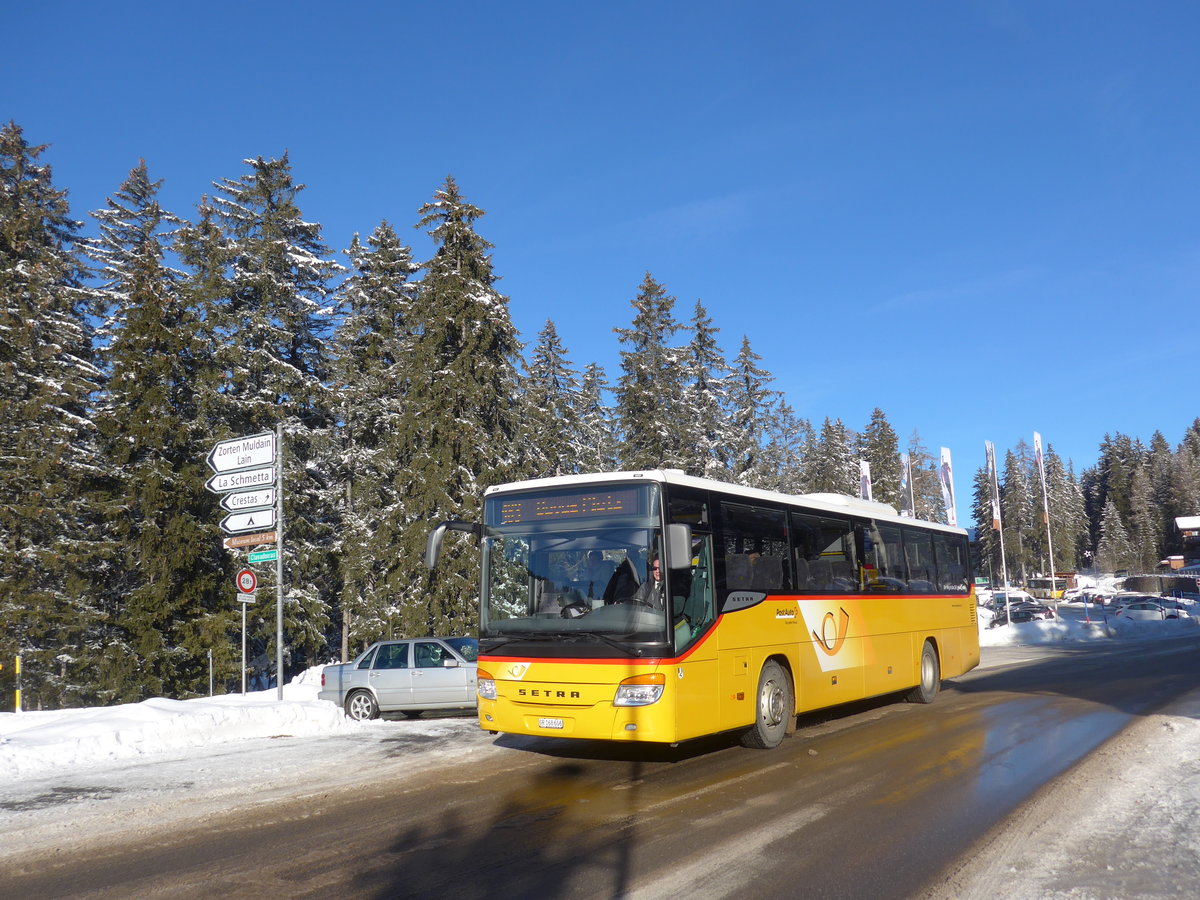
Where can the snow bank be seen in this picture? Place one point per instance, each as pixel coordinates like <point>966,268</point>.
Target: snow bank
<point>36,742</point>
<point>1060,630</point>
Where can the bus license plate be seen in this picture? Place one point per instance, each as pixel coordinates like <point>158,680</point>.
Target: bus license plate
<point>550,723</point>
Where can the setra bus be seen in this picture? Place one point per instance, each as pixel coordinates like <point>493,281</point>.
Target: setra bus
<point>655,606</point>
<point>1050,588</point>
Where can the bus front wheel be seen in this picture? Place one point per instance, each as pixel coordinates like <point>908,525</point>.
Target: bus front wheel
<point>931,677</point>
<point>774,708</point>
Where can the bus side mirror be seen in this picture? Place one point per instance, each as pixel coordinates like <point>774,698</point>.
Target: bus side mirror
<point>679,546</point>
<point>433,547</point>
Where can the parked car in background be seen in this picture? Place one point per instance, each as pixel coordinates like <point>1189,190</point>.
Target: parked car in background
<point>1183,607</point>
<point>1147,609</point>
<point>407,676</point>
<point>1094,597</point>
<point>1014,595</point>
<point>1001,599</point>
<point>1017,612</point>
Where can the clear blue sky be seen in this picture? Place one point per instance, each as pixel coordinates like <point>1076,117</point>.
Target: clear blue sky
<point>981,217</point>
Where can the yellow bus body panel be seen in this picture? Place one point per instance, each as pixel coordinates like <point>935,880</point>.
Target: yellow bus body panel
<point>837,649</point>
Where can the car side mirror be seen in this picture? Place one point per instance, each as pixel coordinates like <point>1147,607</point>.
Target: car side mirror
<point>449,663</point>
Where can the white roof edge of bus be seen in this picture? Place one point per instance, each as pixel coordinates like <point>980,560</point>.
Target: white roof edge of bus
<point>842,503</point>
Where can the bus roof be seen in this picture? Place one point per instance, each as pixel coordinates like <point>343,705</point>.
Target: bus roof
<point>835,503</point>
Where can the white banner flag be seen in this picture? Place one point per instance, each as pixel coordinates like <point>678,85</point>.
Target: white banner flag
<point>864,479</point>
<point>946,476</point>
<point>991,464</point>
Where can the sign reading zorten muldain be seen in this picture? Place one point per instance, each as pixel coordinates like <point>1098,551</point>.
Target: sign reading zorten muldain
<point>243,452</point>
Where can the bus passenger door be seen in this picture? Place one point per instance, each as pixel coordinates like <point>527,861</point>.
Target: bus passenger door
<point>695,671</point>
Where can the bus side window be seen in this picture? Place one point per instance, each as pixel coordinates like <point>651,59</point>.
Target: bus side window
<point>756,548</point>
<point>886,568</point>
<point>950,553</point>
<point>918,551</point>
<point>824,550</point>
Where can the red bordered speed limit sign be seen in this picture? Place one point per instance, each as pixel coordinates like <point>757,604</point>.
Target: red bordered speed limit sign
<point>245,581</point>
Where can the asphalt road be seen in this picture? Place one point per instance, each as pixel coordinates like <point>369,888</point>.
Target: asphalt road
<point>874,800</point>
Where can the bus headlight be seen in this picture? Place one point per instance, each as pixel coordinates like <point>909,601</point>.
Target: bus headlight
<point>640,690</point>
<point>485,685</point>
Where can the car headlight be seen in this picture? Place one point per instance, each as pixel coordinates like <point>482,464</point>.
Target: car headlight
<point>485,685</point>
<point>640,690</point>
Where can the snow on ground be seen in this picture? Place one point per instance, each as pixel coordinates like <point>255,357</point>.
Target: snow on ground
<point>35,743</point>
<point>1123,824</point>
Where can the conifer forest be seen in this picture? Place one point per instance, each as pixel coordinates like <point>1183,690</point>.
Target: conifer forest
<point>133,338</point>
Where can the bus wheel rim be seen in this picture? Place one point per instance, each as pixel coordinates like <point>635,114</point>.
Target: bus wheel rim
<point>771,703</point>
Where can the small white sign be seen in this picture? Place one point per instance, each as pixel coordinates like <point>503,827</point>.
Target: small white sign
<point>224,482</point>
<point>243,500</point>
<point>245,598</point>
<point>243,452</point>
<point>235,523</point>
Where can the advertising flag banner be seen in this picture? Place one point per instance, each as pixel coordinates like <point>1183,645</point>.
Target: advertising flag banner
<point>946,477</point>
<point>1041,464</point>
<point>906,498</point>
<point>864,479</point>
<point>991,465</point>
<point>1041,467</point>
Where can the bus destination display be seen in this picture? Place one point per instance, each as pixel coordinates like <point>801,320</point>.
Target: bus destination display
<point>573,505</point>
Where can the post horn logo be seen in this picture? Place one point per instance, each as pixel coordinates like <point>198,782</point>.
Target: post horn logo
<point>833,632</point>
<point>518,670</point>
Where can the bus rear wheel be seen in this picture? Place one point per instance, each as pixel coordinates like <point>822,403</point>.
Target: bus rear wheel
<point>931,677</point>
<point>774,708</point>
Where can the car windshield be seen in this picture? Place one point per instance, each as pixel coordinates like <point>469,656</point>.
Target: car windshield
<point>573,564</point>
<point>466,647</point>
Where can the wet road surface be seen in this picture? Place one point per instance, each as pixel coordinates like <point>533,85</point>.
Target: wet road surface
<point>873,800</point>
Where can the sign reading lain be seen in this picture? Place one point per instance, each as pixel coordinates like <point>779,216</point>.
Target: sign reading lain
<point>243,452</point>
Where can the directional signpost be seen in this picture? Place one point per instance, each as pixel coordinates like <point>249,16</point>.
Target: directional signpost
<point>243,541</point>
<point>243,500</point>
<point>255,520</point>
<point>248,474</point>
<point>243,453</point>
<point>223,482</point>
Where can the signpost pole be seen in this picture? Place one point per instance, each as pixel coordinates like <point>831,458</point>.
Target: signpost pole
<point>243,605</point>
<point>279,562</point>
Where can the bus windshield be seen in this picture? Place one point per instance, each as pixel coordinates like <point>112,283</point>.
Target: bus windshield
<point>574,563</point>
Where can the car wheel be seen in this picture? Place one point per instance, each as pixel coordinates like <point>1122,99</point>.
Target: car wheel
<point>931,677</point>
<point>361,706</point>
<point>774,710</point>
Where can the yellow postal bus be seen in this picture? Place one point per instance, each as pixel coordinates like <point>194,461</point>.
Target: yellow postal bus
<point>654,606</point>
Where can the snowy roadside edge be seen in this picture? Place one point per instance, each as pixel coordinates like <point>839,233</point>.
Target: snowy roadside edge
<point>1051,844</point>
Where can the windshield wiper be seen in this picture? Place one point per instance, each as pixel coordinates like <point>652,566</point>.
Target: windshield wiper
<point>632,651</point>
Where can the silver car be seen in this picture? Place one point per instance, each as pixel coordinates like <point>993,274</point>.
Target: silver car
<point>407,676</point>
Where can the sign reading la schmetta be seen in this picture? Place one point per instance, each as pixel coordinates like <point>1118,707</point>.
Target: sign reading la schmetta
<point>224,482</point>
<point>243,452</point>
